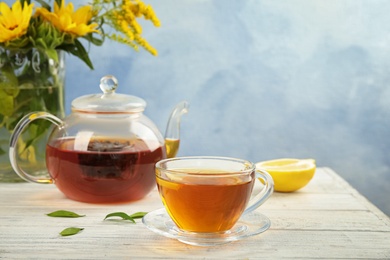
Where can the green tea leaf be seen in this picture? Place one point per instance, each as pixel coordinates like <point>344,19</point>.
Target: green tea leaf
<point>122,215</point>
<point>138,215</point>
<point>125,216</point>
<point>64,214</point>
<point>70,231</point>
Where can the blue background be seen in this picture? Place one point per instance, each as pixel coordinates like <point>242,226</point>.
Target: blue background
<point>265,79</point>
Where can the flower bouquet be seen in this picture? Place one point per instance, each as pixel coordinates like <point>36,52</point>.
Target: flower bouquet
<point>33,40</point>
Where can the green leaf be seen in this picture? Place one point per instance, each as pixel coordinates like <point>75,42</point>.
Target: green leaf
<point>52,53</point>
<point>64,214</point>
<point>42,43</point>
<point>6,103</point>
<point>125,216</point>
<point>79,51</point>
<point>122,215</point>
<point>8,79</point>
<point>59,2</point>
<point>95,41</point>
<point>23,1</point>
<point>44,4</point>
<point>138,215</point>
<point>70,231</point>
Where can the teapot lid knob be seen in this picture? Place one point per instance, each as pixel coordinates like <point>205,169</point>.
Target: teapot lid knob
<point>108,84</point>
<point>109,101</point>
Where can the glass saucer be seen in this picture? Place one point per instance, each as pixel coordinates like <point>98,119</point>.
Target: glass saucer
<point>248,225</point>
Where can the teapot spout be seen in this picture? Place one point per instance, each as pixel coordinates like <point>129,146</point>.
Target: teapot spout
<point>172,133</point>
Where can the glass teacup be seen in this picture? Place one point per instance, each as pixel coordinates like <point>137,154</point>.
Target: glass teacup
<point>210,194</point>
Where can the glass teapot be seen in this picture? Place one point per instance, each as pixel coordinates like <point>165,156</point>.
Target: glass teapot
<point>106,149</point>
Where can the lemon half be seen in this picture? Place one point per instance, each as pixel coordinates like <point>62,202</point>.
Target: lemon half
<point>289,174</point>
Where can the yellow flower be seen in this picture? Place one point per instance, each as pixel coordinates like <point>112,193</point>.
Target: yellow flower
<point>61,27</point>
<point>67,20</point>
<point>14,22</point>
<point>140,9</point>
<point>124,20</point>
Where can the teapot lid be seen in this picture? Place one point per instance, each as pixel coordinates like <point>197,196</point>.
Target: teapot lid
<point>109,101</point>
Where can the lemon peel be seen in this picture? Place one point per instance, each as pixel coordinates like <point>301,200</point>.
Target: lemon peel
<point>289,174</point>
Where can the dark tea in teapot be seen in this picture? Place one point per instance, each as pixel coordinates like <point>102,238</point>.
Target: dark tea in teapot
<point>105,170</point>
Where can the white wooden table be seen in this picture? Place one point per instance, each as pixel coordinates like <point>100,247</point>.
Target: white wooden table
<point>326,219</point>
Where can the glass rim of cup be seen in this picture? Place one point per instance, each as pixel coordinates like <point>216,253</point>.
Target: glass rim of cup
<point>248,168</point>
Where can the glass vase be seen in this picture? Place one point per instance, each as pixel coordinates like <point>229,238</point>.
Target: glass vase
<point>29,81</point>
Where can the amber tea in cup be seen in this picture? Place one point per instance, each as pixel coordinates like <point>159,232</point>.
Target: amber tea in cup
<point>209,194</point>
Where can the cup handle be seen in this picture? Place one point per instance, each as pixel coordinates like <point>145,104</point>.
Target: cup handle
<point>19,128</point>
<point>264,194</point>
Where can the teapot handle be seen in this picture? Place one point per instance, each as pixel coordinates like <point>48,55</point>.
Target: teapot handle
<point>19,128</point>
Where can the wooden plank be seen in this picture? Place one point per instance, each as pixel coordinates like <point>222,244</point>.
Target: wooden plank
<point>293,244</point>
<point>316,201</point>
<point>371,207</point>
<point>326,220</point>
<point>324,182</point>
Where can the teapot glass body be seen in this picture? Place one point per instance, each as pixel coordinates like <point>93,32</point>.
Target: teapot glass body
<point>105,151</point>
<point>105,158</point>
<point>101,158</point>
